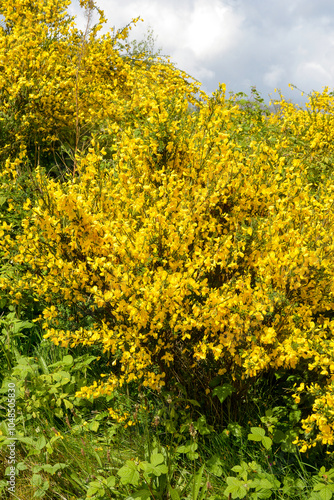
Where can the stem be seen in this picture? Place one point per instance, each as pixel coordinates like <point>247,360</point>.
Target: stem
<point>149,487</point>
<point>88,15</point>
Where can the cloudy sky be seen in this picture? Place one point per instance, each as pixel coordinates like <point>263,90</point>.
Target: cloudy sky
<point>265,43</point>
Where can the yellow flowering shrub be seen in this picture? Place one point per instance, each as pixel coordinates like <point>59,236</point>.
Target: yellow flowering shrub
<point>189,242</point>
<point>57,82</point>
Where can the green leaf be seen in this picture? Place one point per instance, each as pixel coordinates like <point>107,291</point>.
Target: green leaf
<point>25,440</point>
<point>41,491</point>
<point>325,490</point>
<point>174,494</point>
<point>22,466</point>
<point>36,480</point>
<point>156,459</point>
<point>294,416</point>
<point>151,469</point>
<point>326,493</point>
<point>110,481</point>
<point>52,469</point>
<point>40,443</point>
<point>161,469</point>
<point>235,429</point>
<point>58,412</point>
<point>187,448</point>
<point>314,496</point>
<point>140,495</point>
<point>95,484</point>
<point>243,468</point>
<point>267,442</point>
<point>197,482</point>
<point>62,377</point>
<point>214,465</point>
<point>92,490</point>
<point>183,449</point>
<point>237,469</point>
<point>222,391</point>
<point>20,325</point>
<point>203,427</point>
<point>68,360</point>
<point>330,473</point>
<point>129,473</point>
<point>93,426</point>
<point>278,436</point>
<point>236,487</point>
<point>257,433</point>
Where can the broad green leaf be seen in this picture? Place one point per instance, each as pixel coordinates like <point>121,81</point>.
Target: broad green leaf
<point>36,480</point>
<point>173,493</point>
<point>278,436</point>
<point>68,360</point>
<point>187,448</point>
<point>222,391</point>
<point>157,458</point>
<point>203,427</point>
<point>267,442</point>
<point>62,377</point>
<point>40,443</point>
<point>214,465</point>
<point>243,467</point>
<point>257,433</point>
<point>294,416</point>
<point>92,490</point>
<point>161,469</point>
<point>22,466</point>
<point>110,481</point>
<point>68,404</point>
<point>325,490</point>
<point>183,449</point>
<point>42,489</point>
<point>236,487</point>
<point>326,493</point>
<point>26,440</point>
<point>93,426</point>
<point>58,412</point>
<point>52,469</point>
<point>129,473</point>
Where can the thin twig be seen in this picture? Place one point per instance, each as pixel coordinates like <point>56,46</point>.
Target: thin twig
<point>88,15</point>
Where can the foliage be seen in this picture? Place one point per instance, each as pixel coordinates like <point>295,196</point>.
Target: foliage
<point>174,250</point>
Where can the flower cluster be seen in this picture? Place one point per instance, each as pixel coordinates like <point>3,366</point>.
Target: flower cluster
<point>185,238</point>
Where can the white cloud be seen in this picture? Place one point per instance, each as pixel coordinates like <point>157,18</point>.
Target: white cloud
<point>212,28</point>
<point>274,76</point>
<point>315,73</point>
<point>191,32</point>
<point>238,42</point>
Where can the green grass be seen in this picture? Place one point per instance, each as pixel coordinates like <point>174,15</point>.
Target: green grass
<point>70,448</point>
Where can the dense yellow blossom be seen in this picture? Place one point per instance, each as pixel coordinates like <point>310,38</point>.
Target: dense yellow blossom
<point>182,237</point>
